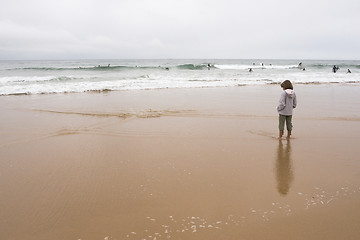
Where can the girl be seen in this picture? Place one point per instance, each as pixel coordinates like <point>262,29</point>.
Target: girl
<point>285,108</point>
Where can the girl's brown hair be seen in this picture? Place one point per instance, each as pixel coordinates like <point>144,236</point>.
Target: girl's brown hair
<point>286,85</point>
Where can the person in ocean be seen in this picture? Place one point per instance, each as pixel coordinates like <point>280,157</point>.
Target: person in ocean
<point>348,71</point>
<point>300,66</point>
<point>285,108</point>
<point>335,68</point>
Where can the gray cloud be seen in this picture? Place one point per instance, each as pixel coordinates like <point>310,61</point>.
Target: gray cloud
<point>39,29</point>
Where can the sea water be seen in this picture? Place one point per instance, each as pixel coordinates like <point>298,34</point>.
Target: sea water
<point>70,76</point>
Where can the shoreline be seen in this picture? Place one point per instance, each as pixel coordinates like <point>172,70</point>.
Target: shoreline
<point>108,90</point>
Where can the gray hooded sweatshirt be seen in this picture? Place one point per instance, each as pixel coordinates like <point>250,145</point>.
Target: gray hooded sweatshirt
<point>287,102</point>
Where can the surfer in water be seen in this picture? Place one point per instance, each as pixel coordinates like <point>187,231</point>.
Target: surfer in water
<point>335,68</point>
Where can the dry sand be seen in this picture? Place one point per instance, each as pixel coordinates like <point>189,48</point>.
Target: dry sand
<point>180,164</point>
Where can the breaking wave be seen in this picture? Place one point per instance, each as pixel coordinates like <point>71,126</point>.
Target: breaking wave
<point>68,76</point>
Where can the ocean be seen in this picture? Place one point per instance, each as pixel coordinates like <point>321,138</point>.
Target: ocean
<point>74,76</point>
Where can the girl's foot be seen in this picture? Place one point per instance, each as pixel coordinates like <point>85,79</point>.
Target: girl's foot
<point>289,134</point>
<point>281,133</point>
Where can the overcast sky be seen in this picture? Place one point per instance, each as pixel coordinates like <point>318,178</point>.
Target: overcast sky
<point>276,29</point>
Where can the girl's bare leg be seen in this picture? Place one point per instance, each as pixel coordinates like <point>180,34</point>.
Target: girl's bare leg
<point>289,134</point>
<point>281,133</point>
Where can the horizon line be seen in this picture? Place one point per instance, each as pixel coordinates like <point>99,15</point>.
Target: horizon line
<point>79,59</point>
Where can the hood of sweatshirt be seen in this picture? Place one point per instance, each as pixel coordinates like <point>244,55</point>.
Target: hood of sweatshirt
<point>289,92</point>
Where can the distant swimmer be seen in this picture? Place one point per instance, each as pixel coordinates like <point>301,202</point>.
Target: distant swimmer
<point>348,71</point>
<point>167,69</point>
<point>303,69</point>
<point>208,66</point>
<point>250,70</point>
<point>300,65</point>
<point>335,68</point>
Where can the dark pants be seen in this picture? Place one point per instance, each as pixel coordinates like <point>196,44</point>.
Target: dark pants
<point>282,120</point>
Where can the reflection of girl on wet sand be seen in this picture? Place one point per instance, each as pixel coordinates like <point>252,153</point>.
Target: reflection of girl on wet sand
<point>284,172</point>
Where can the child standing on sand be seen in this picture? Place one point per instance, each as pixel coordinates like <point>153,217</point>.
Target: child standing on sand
<point>285,108</point>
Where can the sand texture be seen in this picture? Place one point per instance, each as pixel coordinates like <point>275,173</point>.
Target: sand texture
<point>180,164</point>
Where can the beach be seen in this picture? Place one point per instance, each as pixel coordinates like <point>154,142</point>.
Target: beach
<point>187,163</point>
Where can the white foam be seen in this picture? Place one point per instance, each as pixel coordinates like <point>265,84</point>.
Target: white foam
<point>227,74</point>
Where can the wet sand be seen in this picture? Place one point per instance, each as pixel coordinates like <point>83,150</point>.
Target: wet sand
<point>180,164</point>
